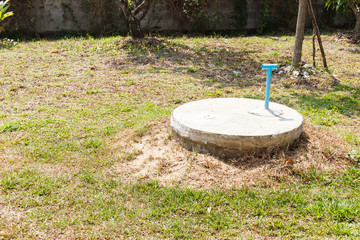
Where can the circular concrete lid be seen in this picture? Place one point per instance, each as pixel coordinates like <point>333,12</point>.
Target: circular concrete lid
<point>230,126</point>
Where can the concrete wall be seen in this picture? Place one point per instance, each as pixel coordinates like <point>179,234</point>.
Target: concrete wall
<point>55,15</point>
<point>74,15</point>
<point>161,17</point>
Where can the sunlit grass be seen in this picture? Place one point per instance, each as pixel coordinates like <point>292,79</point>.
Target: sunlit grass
<point>64,102</point>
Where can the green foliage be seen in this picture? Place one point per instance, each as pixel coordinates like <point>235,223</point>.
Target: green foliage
<point>265,16</point>
<point>4,5</point>
<point>7,43</point>
<point>23,20</point>
<point>344,5</point>
<point>354,157</point>
<point>194,12</point>
<point>194,9</point>
<point>340,4</point>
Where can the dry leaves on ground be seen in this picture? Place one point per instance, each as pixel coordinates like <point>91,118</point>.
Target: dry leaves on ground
<point>157,156</point>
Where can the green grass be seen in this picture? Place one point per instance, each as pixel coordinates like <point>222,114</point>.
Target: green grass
<point>65,102</point>
<point>319,207</point>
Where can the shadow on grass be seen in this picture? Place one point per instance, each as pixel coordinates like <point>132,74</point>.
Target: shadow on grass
<point>343,99</point>
<point>271,158</point>
<point>221,64</point>
<point>317,151</point>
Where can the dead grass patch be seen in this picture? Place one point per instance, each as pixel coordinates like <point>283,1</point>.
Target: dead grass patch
<point>56,170</point>
<point>160,157</point>
<point>9,220</point>
<point>9,160</point>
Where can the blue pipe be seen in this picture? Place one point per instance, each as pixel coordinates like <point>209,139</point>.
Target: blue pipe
<point>269,68</point>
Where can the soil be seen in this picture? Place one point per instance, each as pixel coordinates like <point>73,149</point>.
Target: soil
<point>156,156</point>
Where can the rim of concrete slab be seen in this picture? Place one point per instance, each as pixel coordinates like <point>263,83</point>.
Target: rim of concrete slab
<point>230,127</point>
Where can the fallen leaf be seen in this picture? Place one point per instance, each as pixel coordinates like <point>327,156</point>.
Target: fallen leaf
<point>290,161</point>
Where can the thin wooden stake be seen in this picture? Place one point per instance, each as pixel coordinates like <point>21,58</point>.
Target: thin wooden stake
<point>314,47</point>
<point>313,19</point>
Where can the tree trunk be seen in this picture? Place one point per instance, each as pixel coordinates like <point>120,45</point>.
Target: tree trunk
<point>135,30</point>
<point>299,37</point>
<point>314,47</point>
<point>357,25</point>
<point>356,10</point>
<point>135,16</point>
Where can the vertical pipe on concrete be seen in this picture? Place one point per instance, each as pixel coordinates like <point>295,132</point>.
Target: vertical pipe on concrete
<point>269,68</point>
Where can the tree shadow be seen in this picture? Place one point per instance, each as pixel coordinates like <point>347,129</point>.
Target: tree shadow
<point>270,158</point>
<point>220,65</point>
<point>315,152</point>
<point>342,98</point>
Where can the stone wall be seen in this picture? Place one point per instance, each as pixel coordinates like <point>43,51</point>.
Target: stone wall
<point>44,16</point>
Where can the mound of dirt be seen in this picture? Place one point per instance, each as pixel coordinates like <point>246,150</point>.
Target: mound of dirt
<point>157,156</point>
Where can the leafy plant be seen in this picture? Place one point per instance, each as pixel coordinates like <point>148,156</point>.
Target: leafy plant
<point>4,5</point>
<point>193,11</point>
<point>354,156</point>
<point>344,5</point>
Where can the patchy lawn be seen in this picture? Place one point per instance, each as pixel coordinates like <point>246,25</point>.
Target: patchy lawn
<point>86,150</point>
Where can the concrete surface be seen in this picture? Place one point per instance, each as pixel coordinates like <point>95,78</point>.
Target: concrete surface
<point>229,127</point>
<point>75,15</point>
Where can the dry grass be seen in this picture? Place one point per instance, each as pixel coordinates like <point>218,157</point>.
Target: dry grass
<point>160,157</point>
<point>84,132</point>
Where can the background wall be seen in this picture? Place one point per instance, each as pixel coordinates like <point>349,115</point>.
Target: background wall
<point>105,16</point>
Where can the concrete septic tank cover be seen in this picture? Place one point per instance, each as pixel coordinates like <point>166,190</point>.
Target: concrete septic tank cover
<point>229,127</point>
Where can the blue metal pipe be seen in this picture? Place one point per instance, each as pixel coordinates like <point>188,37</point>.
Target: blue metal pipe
<point>269,68</point>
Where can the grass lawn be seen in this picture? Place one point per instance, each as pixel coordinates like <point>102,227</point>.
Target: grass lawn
<point>86,151</point>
